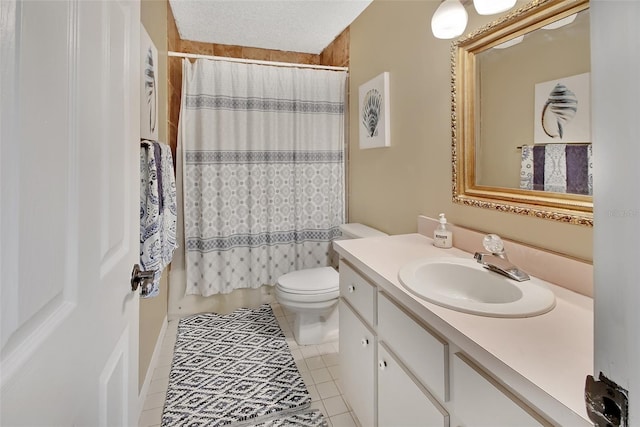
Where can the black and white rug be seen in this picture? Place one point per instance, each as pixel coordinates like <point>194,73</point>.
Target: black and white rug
<point>235,370</point>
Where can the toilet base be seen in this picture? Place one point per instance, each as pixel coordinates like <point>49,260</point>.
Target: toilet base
<point>315,327</point>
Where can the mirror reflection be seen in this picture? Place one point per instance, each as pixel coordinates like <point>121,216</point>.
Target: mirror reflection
<point>521,113</point>
<point>534,104</point>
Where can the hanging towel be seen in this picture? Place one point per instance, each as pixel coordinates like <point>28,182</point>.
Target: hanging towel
<point>589,169</point>
<point>538,167</point>
<point>169,205</point>
<point>526,168</point>
<point>578,169</point>
<point>157,212</point>
<point>559,168</point>
<point>157,156</point>
<point>555,168</point>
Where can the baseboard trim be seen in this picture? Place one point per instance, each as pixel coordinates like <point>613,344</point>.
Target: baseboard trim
<point>152,365</point>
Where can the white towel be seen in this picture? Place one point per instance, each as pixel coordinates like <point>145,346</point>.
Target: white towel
<point>526,168</point>
<point>555,168</point>
<point>157,212</point>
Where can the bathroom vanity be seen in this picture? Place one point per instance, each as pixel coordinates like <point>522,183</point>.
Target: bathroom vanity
<point>405,361</point>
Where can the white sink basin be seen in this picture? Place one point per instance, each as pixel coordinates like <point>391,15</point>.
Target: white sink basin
<point>464,285</point>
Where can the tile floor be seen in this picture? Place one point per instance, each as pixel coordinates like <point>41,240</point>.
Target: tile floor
<point>318,365</point>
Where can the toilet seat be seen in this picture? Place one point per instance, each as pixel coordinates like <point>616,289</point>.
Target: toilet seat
<point>311,281</point>
<point>306,300</point>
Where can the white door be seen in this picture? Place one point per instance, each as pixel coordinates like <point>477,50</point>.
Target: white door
<point>69,212</point>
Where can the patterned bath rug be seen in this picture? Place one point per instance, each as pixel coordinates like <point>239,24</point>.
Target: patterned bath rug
<point>311,418</point>
<point>235,370</point>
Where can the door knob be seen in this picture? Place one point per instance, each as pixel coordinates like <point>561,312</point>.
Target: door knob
<point>140,277</point>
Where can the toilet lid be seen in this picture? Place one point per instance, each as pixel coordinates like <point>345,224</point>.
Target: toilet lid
<point>310,281</point>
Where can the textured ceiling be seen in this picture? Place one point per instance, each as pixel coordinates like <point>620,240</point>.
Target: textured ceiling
<point>291,25</point>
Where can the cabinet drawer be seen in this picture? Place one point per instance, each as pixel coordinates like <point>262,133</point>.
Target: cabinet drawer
<point>358,292</point>
<point>424,354</point>
<point>402,402</point>
<point>357,365</point>
<point>480,401</point>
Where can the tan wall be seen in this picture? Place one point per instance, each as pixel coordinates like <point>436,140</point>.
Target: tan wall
<point>153,311</point>
<point>390,187</point>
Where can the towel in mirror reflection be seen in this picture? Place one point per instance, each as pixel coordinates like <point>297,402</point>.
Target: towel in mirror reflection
<point>558,168</point>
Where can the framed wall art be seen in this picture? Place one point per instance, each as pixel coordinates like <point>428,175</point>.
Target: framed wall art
<point>563,110</point>
<point>148,87</point>
<point>374,112</point>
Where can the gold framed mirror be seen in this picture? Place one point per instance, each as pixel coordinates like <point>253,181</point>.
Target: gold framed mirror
<point>503,113</point>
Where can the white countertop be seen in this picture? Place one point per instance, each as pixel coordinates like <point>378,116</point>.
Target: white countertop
<point>553,351</point>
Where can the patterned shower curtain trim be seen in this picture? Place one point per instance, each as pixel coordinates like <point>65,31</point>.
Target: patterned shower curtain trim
<point>221,102</point>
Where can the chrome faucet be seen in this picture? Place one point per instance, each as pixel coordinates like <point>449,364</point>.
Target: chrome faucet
<point>496,260</point>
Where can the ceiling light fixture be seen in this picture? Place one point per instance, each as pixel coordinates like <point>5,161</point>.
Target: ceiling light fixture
<point>491,7</point>
<point>561,22</point>
<point>449,20</point>
<point>509,43</point>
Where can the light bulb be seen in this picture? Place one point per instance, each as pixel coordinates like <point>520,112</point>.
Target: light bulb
<point>509,43</point>
<point>449,20</point>
<point>561,22</point>
<point>491,7</point>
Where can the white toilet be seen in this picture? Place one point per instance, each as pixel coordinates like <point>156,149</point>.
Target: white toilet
<point>312,295</point>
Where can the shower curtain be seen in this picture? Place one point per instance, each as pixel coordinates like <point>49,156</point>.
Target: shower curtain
<point>263,172</point>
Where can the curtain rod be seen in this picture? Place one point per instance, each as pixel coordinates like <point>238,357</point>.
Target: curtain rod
<point>256,61</point>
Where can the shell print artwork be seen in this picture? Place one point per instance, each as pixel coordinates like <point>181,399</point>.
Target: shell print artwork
<point>371,112</point>
<point>559,109</point>
<point>374,109</point>
<point>150,88</point>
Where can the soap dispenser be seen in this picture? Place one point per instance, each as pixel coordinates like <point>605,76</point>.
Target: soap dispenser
<point>442,235</point>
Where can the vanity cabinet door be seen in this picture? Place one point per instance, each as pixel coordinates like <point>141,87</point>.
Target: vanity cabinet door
<point>480,401</point>
<point>357,365</point>
<point>425,354</point>
<point>401,402</point>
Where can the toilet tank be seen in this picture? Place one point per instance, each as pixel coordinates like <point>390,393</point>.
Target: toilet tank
<point>357,231</point>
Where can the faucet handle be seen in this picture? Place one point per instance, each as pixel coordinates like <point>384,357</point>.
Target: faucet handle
<point>493,243</point>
